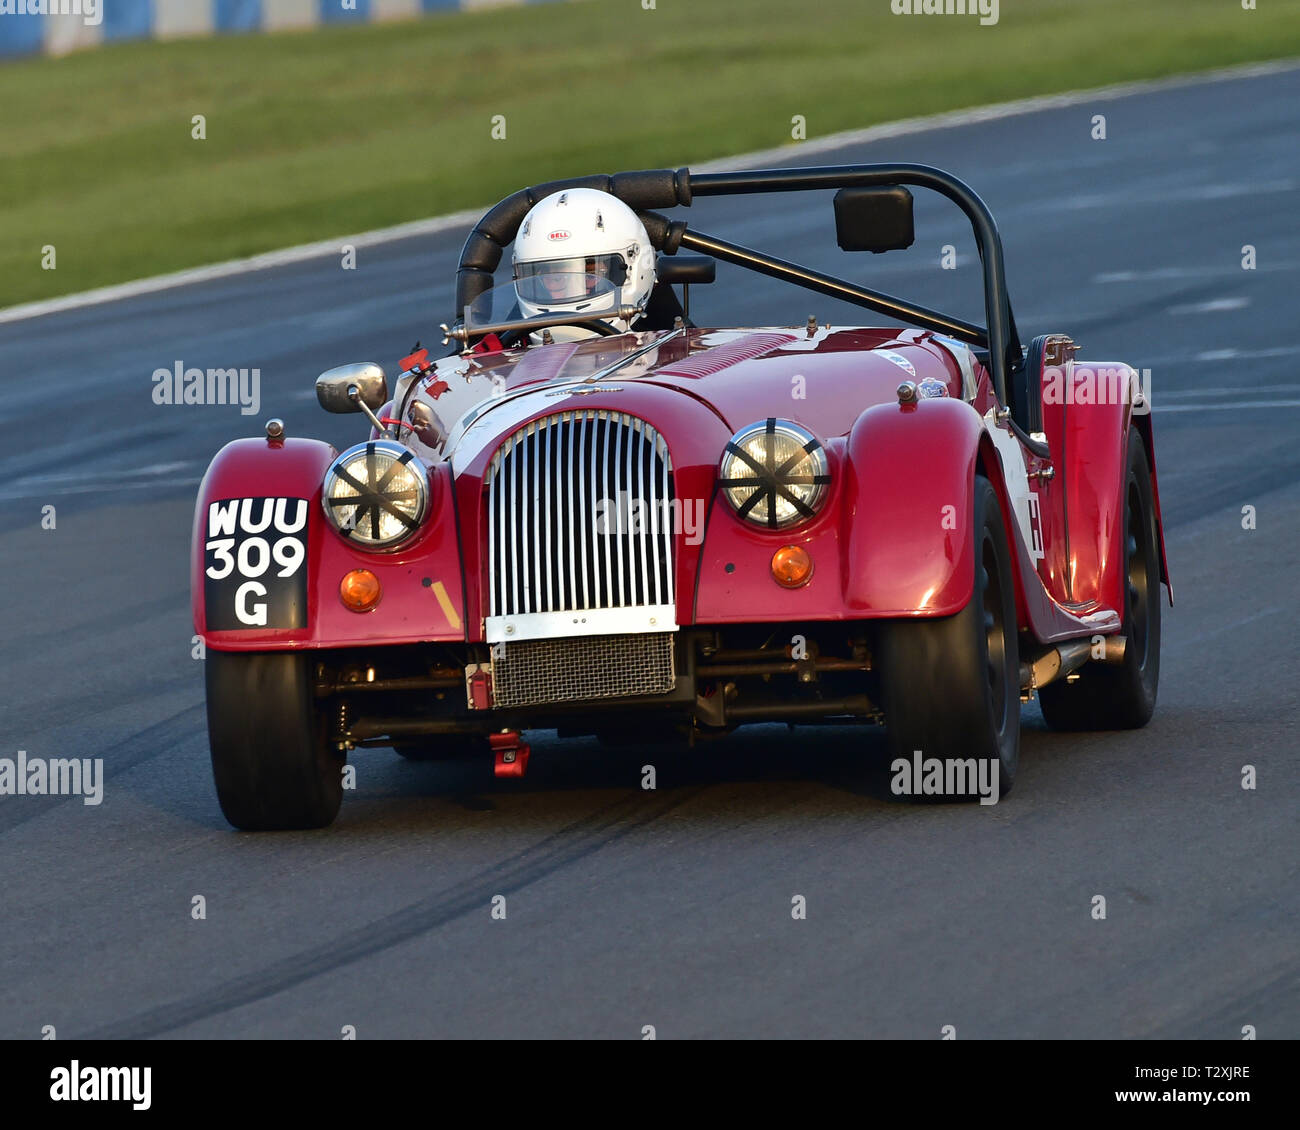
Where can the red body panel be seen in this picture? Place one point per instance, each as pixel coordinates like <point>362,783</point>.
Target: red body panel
<point>893,537</point>
<point>884,545</point>
<point>409,610</point>
<point>1054,567</point>
<point>821,383</point>
<point>1096,444</point>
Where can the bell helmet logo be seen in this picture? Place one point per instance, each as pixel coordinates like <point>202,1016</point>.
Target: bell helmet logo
<point>559,234</point>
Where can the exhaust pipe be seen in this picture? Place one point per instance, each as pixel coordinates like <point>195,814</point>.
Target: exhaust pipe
<point>1066,657</point>
<point>1116,649</point>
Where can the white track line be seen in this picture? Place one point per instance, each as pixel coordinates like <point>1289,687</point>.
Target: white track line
<point>997,111</point>
<point>281,258</point>
<point>832,141</point>
<point>1159,409</point>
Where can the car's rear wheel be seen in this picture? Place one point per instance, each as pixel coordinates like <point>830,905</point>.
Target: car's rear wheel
<point>1122,696</point>
<point>950,687</point>
<point>273,765</point>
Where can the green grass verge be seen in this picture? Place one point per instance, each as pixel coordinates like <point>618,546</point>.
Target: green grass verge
<point>316,134</point>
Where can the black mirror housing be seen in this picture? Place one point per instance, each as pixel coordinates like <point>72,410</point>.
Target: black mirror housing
<point>687,269</point>
<point>874,219</point>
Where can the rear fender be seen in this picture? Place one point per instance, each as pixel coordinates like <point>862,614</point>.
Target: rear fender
<point>1101,417</point>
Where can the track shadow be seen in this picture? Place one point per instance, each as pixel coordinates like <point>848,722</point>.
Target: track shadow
<point>850,759</point>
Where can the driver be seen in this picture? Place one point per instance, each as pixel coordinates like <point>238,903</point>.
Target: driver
<point>575,245</point>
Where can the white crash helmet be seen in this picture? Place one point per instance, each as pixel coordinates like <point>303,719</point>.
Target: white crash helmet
<point>568,244</point>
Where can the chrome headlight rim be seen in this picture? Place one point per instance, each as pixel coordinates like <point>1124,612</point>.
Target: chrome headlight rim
<point>763,487</point>
<point>377,503</point>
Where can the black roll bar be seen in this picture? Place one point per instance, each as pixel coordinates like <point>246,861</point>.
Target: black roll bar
<point>836,288</point>
<point>667,188</point>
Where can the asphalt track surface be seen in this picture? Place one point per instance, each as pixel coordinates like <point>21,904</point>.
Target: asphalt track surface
<point>672,908</point>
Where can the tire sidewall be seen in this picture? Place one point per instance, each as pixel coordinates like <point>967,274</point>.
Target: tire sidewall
<point>271,760</point>
<point>990,532</point>
<point>1143,678</point>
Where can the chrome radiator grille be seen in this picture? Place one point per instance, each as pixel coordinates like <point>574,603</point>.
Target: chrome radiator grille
<point>579,520</point>
<point>586,667</point>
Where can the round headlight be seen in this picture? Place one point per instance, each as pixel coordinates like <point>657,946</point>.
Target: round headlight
<point>775,473</point>
<point>376,494</point>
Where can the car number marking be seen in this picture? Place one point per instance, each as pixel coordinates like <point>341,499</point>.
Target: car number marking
<point>1024,502</point>
<point>253,564</point>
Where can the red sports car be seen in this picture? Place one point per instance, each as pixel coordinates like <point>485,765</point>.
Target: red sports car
<point>672,531</point>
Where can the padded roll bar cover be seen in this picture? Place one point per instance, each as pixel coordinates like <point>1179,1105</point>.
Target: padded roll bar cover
<point>470,283</point>
<point>1024,388</point>
<point>653,188</point>
<point>481,256</point>
<point>665,234</point>
<point>481,252</point>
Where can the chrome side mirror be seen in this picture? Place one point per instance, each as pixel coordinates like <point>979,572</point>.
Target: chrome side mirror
<point>353,388</point>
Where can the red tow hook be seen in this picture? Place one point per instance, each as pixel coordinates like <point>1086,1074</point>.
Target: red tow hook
<point>511,755</point>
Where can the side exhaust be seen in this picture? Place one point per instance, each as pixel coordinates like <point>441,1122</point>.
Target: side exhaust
<point>1064,658</point>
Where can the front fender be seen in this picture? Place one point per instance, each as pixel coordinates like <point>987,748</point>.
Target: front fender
<point>251,592</point>
<point>893,538</point>
<point>908,505</point>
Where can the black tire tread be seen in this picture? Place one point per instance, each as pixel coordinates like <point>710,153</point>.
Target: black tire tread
<point>934,688</point>
<point>270,761</point>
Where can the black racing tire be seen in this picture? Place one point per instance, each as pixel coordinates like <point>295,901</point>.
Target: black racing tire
<point>950,687</point>
<point>271,760</point>
<point>1122,696</point>
<point>443,747</point>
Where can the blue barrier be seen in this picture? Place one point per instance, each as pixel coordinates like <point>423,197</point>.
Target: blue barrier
<point>132,20</point>
<point>21,34</point>
<point>237,15</point>
<point>85,23</point>
<point>333,12</point>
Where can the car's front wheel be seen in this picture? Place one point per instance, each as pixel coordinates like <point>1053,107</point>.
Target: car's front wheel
<point>950,687</point>
<point>273,765</point>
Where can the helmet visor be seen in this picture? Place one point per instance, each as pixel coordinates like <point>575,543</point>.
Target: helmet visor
<point>551,282</point>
